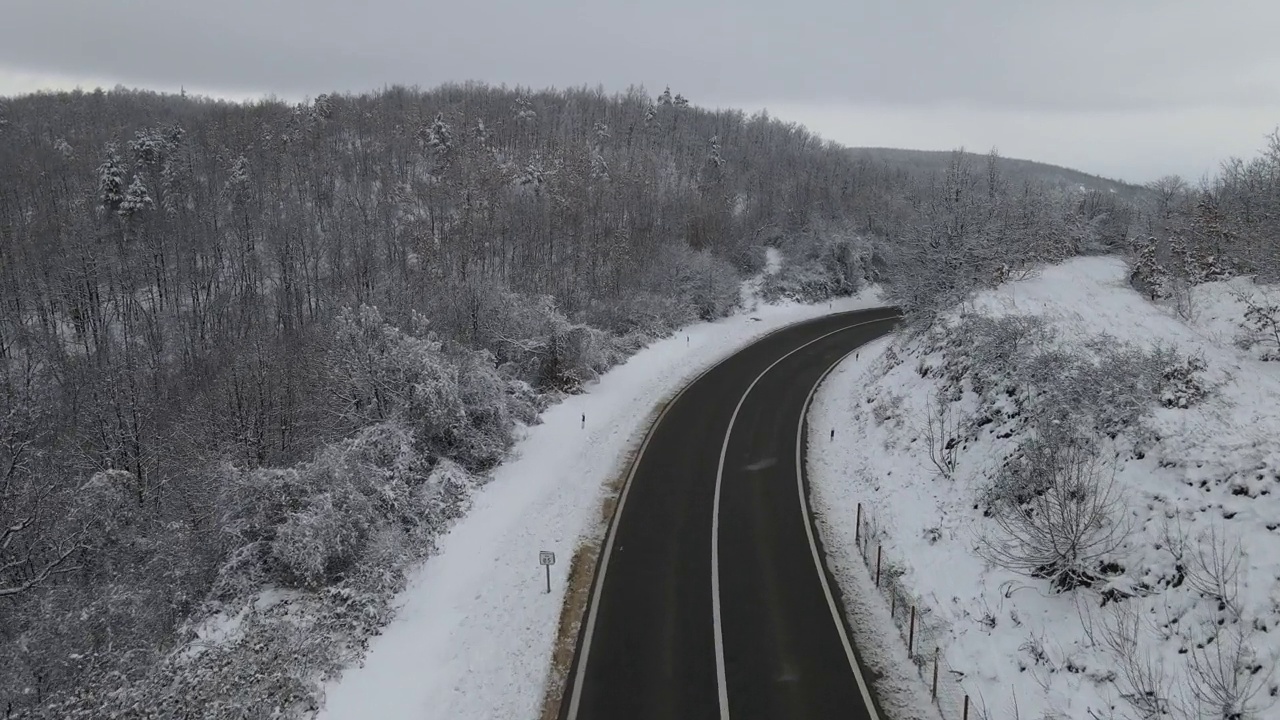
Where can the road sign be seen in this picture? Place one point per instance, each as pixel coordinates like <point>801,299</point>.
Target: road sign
<point>546,559</point>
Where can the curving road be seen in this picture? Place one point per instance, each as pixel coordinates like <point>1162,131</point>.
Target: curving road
<point>711,599</point>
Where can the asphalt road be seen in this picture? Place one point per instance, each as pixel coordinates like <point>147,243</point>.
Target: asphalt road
<point>711,600</point>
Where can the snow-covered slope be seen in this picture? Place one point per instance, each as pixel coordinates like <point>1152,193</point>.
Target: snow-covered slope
<point>476,629</point>
<point>1184,611</point>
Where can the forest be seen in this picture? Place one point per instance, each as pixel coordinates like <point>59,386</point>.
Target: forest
<point>260,355</point>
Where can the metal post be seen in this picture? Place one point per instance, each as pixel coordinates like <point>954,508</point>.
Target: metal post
<point>966,708</point>
<point>878,549</point>
<point>935,673</point>
<point>893,604</point>
<point>857,528</point>
<point>548,567</point>
<point>911,634</point>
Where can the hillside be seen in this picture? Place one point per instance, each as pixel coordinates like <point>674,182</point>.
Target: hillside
<point>928,162</point>
<point>1074,490</point>
<point>255,359</point>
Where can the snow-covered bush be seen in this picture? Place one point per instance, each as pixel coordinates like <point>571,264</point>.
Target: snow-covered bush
<point>533,341</point>
<point>706,284</point>
<point>1058,511</point>
<point>1146,273</point>
<point>455,400</point>
<point>1261,323</point>
<point>446,494</point>
<point>1022,371</point>
<point>492,405</point>
<point>324,538</point>
<point>378,369</point>
<point>576,355</point>
<point>306,525</point>
<point>823,264</point>
<point>646,315</point>
<point>1183,381</point>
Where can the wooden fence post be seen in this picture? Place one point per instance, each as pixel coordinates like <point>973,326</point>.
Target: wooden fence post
<point>878,549</point>
<point>911,634</point>
<point>893,604</point>
<point>857,529</point>
<point>935,673</point>
<point>966,708</point>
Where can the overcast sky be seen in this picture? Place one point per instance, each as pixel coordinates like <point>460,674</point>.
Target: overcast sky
<point>1124,88</point>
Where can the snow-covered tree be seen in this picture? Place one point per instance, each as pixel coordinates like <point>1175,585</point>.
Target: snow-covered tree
<point>111,186</point>
<point>136,199</point>
<point>665,97</point>
<point>323,106</point>
<point>713,152</point>
<point>238,185</point>
<point>1146,272</point>
<point>439,136</point>
<point>524,111</point>
<point>148,147</point>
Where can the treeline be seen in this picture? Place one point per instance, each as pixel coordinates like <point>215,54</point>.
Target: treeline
<point>1227,225</point>
<point>252,346</point>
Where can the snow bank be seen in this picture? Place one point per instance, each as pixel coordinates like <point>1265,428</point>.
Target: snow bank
<point>1187,476</point>
<point>475,631</point>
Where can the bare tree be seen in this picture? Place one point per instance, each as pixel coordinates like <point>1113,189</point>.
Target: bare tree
<point>942,432</point>
<point>1144,682</point>
<point>1167,189</point>
<point>1226,677</point>
<point>1215,570</point>
<point>1068,517</point>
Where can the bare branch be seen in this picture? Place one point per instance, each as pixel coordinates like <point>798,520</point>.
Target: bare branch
<point>942,434</point>
<point>1226,677</point>
<point>51,568</point>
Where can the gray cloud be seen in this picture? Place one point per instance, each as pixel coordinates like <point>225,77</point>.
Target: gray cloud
<point>1083,55</point>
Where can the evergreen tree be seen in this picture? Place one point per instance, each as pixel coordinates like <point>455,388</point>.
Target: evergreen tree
<point>136,199</point>
<point>111,180</point>
<point>1147,272</point>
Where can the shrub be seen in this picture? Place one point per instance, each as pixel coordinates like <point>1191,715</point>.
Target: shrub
<point>1058,510</point>
<point>316,544</point>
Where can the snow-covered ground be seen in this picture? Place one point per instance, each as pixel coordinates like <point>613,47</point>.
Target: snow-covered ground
<point>749,293</point>
<point>475,631</point>
<point>1185,477</point>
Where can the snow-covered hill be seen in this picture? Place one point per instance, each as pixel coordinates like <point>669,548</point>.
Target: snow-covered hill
<point>1173,606</point>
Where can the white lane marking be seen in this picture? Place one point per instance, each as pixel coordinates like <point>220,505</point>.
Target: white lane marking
<point>721,681</point>
<point>575,699</point>
<point>813,544</point>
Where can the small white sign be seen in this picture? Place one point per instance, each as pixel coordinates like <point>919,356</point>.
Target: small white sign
<point>546,558</point>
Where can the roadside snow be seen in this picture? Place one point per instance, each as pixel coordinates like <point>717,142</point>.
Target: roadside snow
<point>474,634</point>
<point>1009,642</point>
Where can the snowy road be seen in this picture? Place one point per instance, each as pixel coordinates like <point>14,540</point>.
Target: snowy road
<point>712,600</point>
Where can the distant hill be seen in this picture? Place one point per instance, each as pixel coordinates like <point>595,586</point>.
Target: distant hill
<point>1017,171</point>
